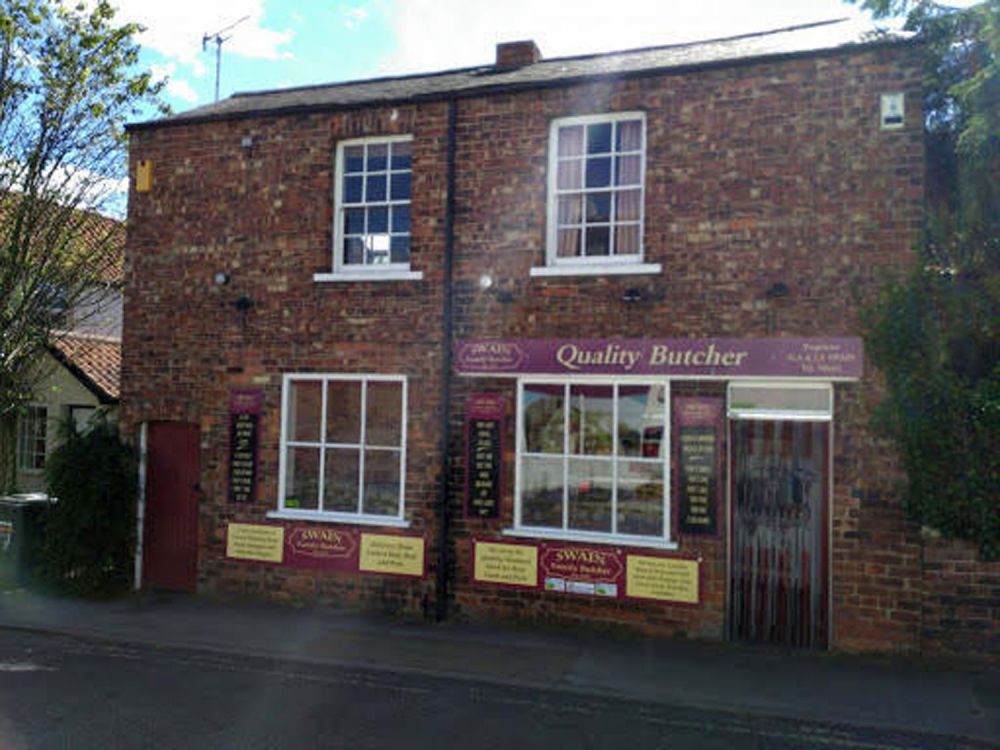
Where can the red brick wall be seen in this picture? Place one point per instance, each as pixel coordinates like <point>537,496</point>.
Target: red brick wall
<point>481,602</point>
<point>756,174</point>
<point>265,217</point>
<point>961,603</point>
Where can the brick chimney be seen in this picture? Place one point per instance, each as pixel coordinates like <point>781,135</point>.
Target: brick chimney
<point>517,54</point>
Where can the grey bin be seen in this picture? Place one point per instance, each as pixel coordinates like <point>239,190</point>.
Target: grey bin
<point>21,519</point>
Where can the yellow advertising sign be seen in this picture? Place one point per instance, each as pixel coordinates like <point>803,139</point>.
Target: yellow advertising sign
<point>248,541</point>
<point>510,564</point>
<point>667,579</point>
<point>390,553</point>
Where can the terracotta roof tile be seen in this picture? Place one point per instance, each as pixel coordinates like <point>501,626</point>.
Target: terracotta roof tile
<point>101,229</point>
<point>101,236</point>
<point>96,360</point>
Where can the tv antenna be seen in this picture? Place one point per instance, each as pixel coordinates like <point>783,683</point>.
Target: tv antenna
<point>219,39</point>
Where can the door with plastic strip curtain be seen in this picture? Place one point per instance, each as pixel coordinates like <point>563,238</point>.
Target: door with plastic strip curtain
<point>779,496</point>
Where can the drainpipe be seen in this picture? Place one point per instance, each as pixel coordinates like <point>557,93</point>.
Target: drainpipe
<point>140,511</point>
<point>447,329</point>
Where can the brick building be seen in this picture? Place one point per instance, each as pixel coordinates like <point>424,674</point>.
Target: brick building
<point>569,341</point>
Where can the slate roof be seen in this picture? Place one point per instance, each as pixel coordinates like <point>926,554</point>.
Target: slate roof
<point>95,360</point>
<point>805,39</point>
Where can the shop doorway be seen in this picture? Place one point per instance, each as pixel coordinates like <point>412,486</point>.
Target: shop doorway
<point>780,479</point>
<point>170,534</point>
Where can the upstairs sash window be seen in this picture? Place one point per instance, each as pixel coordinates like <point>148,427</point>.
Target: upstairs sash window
<point>596,189</point>
<point>372,200</point>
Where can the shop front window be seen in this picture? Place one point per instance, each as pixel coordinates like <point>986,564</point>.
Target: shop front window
<point>343,448</point>
<point>592,462</point>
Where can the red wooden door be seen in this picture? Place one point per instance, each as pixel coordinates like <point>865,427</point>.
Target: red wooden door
<point>170,536</point>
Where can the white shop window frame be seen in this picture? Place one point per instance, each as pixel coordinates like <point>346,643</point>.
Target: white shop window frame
<point>605,265</point>
<point>296,514</point>
<point>342,271</point>
<point>572,535</point>
<point>739,412</point>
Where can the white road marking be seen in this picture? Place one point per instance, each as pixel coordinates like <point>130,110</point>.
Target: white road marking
<point>23,666</point>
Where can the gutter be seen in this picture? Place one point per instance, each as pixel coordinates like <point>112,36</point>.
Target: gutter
<point>447,332</point>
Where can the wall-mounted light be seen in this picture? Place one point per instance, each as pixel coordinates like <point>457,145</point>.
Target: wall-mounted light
<point>488,284</point>
<point>247,143</point>
<point>651,294</point>
<point>777,290</point>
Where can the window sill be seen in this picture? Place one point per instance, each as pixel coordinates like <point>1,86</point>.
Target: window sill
<point>369,276</point>
<point>608,269</point>
<point>584,537</point>
<point>345,518</point>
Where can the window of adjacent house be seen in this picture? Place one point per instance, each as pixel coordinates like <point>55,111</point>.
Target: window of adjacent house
<point>373,204</point>
<point>592,460</point>
<point>597,171</point>
<point>32,436</point>
<point>343,447</point>
<point>83,418</point>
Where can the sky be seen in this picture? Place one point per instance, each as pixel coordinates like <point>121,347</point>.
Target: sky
<point>280,43</point>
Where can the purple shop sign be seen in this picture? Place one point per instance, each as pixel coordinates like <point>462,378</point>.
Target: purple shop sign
<point>244,440</point>
<point>245,401</point>
<point>484,471</point>
<point>321,548</point>
<point>827,358</point>
<point>698,422</point>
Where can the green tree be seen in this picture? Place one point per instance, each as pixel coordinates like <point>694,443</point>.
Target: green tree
<point>936,335</point>
<point>89,533</point>
<point>68,83</point>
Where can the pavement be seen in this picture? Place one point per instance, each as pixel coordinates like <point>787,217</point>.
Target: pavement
<point>952,700</point>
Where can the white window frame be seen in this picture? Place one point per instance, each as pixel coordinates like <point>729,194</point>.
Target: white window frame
<point>594,265</point>
<point>633,540</point>
<point>23,422</point>
<point>735,410</point>
<point>359,272</point>
<point>301,514</point>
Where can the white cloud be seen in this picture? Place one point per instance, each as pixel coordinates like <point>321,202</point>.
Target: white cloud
<point>162,72</point>
<point>95,191</point>
<point>181,89</point>
<point>440,34</point>
<point>175,29</point>
<point>354,17</point>
<point>176,87</point>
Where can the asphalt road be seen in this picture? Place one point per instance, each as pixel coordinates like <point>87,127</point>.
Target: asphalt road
<point>60,692</point>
